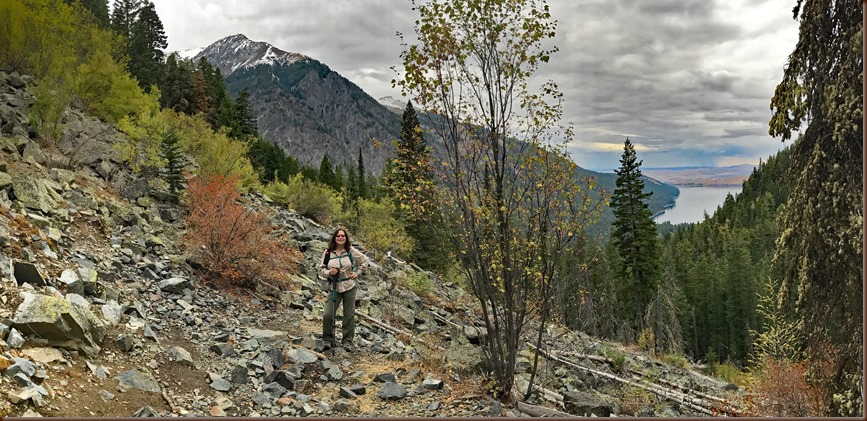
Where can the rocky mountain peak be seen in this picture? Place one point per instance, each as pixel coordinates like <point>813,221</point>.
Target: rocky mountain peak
<point>239,52</point>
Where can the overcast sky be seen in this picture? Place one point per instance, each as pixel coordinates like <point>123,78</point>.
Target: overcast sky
<point>689,81</point>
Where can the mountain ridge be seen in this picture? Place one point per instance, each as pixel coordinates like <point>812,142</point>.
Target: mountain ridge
<point>303,106</point>
<point>237,51</point>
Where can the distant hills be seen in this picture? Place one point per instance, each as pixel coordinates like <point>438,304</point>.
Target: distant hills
<point>701,176</point>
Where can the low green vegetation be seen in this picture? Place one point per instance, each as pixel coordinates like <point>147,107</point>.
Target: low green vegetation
<point>676,360</point>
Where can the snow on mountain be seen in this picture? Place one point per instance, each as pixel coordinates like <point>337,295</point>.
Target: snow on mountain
<point>393,104</point>
<point>192,52</point>
<point>239,52</point>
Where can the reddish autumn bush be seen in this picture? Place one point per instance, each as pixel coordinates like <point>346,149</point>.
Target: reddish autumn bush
<point>238,246</point>
<point>783,389</point>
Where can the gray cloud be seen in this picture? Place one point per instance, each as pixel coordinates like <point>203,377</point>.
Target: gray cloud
<point>690,80</point>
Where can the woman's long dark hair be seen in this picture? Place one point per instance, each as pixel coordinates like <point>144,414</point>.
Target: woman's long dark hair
<point>332,245</point>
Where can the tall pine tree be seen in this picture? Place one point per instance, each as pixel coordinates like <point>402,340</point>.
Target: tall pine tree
<point>634,235</point>
<point>146,45</point>
<point>245,125</point>
<point>409,180</point>
<point>124,13</point>
<point>820,249</point>
<point>350,197</point>
<point>177,88</point>
<point>362,178</point>
<point>326,173</point>
<point>173,173</point>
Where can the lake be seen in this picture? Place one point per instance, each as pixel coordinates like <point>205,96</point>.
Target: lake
<point>693,202</point>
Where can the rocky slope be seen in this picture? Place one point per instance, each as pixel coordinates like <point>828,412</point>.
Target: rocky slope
<point>101,313</point>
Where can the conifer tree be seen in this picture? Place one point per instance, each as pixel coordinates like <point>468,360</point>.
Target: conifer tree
<point>124,13</point>
<point>634,234</point>
<point>409,179</point>
<point>147,42</point>
<point>362,178</point>
<point>202,101</point>
<point>173,173</point>
<point>309,173</point>
<point>176,87</point>
<point>411,175</point>
<point>351,195</point>
<point>338,177</point>
<point>820,248</point>
<point>224,113</point>
<point>245,124</point>
<point>216,89</point>
<point>326,173</point>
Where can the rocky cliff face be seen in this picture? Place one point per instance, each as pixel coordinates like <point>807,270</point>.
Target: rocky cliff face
<point>304,107</point>
<point>101,313</point>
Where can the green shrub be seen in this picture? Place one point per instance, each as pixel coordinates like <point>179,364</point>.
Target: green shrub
<point>109,91</point>
<point>646,340</point>
<point>728,372</point>
<point>309,198</point>
<point>419,283</point>
<point>145,131</point>
<point>379,229</point>
<point>617,357</point>
<point>633,400</point>
<point>215,153</point>
<point>676,360</point>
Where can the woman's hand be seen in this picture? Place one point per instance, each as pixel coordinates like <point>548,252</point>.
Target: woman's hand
<point>352,275</point>
<point>333,271</point>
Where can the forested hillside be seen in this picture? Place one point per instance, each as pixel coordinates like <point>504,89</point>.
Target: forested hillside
<point>722,265</point>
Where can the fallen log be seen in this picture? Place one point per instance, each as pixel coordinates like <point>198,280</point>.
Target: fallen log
<point>385,326</point>
<point>447,321</point>
<point>695,392</point>
<point>590,357</point>
<point>658,390</point>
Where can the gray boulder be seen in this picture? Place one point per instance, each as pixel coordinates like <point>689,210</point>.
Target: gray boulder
<point>70,279</point>
<point>586,404</point>
<point>303,356</point>
<point>134,379</point>
<point>463,357</point>
<point>61,322</point>
<point>5,180</point>
<point>136,188</point>
<point>32,151</point>
<point>264,336</point>
<point>181,356</point>
<point>88,278</point>
<point>28,273</point>
<point>35,194</point>
<point>7,268</point>
<point>391,391</point>
<point>175,285</point>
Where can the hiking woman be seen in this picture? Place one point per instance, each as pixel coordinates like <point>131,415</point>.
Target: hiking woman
<point>342,264</point>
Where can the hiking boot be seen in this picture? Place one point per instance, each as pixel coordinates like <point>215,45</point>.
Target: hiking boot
<point>348,347</point>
